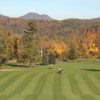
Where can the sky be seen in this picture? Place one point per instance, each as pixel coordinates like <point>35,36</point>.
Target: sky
<point>57,9</point>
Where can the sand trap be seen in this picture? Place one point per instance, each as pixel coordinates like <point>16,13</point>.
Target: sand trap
<point>7,70</point>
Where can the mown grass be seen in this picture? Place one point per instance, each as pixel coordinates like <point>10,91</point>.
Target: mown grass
<point>80,81</point>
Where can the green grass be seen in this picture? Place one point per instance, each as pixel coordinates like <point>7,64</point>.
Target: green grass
<point>80,81</point>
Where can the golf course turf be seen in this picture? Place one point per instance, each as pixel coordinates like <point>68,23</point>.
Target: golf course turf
<point>79,81</point>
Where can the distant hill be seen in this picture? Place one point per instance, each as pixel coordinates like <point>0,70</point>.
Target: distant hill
<point>32,15</point>
<point>95,19</point>
<point>36,16</point>
<point>3,16</point>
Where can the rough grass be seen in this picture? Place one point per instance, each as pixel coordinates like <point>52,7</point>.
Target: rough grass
<point>80,81</point>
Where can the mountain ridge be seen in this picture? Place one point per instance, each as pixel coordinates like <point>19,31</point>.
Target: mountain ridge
<point>37,16</point>
<point>32,15</point>
<point>3,17</point>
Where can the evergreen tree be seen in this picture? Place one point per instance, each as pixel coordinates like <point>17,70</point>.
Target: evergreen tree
<point>52,58</point>
<point>73,52</point>
<point>29,41</point>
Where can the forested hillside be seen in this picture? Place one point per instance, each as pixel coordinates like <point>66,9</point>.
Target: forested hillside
<point>66,39</point>
<point>54,26</point>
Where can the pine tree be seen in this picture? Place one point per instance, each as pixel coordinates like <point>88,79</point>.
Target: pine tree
<point>52,58</point>
<point>29,41</point>
<point>72,53</point>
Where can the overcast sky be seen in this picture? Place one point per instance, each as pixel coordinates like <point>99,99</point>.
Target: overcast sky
<point>58,9</point>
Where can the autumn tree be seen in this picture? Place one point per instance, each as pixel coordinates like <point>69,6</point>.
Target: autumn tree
<point>82,48</point>
<point>10,44</point>
<point>18,47</point>
<point>91,43</point>
<point>98,44</point>
<point>3,47</point>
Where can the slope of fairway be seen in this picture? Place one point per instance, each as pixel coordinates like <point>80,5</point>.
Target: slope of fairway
<point>80,81</point>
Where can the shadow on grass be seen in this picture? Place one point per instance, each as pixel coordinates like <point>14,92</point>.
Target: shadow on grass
<point>95,70</point>
<point>17,65</point>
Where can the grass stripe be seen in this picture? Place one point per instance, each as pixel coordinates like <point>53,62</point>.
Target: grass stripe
<point>14,91</point>
<point>74,85</point>
<point>20,88</point>
<point>31,86</point>
<point>31,97</point>
<point>57,88</point>
<point>83,86</point>
<point>12,83</point>
<point>91,85</point>
<point>74,97</point>
<point>98,77</point>
<point>16,83</point>
<point>17,97</point>
<point>59,97</point>
<point>66,86</point>
<point>49,85</point>
<point>38,89</point>
<point>95,81</point>
<point>8,82</point>
<point>45,97</point>
<point>87,97</point>
<point>5,77</point>
<point>3,97</point>
<point>23,84</point>
<point>41,84</point>
<point>77,85</point>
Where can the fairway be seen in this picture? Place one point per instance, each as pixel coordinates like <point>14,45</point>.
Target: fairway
<point>80,81</point>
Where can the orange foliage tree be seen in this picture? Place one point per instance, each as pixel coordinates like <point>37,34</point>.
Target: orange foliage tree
<point>91,45</point>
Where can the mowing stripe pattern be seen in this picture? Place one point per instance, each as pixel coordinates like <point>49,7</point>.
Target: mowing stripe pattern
<point>45,84</point>
<point>39,87</point>
<point>57,88</point>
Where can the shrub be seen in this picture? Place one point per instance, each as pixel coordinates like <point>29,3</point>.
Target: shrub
<point>44,60</point>
<point>52,58</point>
<point>64,56</point>
<point>72,55</point>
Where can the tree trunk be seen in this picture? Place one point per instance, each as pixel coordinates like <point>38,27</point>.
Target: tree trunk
<point>30,63</point>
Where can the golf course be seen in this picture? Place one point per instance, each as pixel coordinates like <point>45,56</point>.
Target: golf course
<point>80,80</point>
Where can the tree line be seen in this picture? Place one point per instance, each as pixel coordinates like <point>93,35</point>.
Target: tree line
<point>42,42</point>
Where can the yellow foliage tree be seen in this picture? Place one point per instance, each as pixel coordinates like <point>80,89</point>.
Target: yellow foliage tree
<point>90,41</point>
<point>57,47</point>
